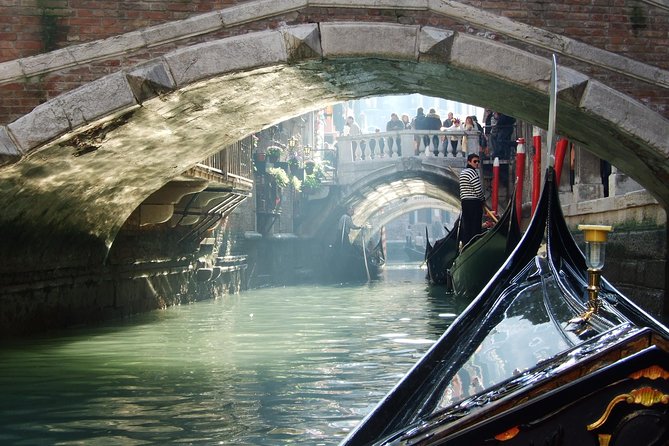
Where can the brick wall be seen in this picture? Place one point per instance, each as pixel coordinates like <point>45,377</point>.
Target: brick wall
<point>637,30</point>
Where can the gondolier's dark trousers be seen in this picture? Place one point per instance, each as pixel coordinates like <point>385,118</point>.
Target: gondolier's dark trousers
<point>470,223</point>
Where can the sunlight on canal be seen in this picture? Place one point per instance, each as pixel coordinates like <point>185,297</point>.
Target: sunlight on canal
<point>292,365</point>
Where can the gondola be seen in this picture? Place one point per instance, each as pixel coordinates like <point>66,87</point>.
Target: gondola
<point>484,254</point>
<point>440,257</point>
<point>535,359</point>
<point>413,253</point>
<point>527,363</point>
<point>349,263</point>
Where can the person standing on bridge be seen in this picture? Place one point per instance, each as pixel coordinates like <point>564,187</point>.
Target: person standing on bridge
<point>418,123</point>
<point>353,128</point>
<point>394,124</point>
<point>472,200</point>
<point>433,122</point>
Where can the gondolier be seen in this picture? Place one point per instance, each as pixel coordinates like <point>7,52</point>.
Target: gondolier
<point>472,200</point>
<point>345,225</point>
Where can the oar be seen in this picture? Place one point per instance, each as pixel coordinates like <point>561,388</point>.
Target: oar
<point>364,255</point>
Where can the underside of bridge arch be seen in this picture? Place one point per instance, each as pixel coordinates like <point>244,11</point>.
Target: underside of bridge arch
<point>86,160</point>
<point>389,192</point>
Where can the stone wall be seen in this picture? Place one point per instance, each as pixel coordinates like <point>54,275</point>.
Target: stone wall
<point>107,293</point>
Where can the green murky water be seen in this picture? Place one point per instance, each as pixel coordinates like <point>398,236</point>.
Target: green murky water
<point>281,366</point>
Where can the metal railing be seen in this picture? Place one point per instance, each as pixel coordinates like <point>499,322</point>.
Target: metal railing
<point>233,163</point>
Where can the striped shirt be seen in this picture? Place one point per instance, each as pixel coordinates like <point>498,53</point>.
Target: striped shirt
<point>470,185</point>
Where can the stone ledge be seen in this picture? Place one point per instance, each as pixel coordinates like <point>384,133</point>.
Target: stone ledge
<point>626,208</point>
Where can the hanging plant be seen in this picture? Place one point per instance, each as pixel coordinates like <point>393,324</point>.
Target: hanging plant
<point>279,175</point>
<point>296,184</point>
<point>274,153</point>
<point>311,183</point>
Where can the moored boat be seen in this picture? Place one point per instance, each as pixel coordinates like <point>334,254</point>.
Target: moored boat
<point>351,262</point>
<point>440,257</point>
<point>484,254</point>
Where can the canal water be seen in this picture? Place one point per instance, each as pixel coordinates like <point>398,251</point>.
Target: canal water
<point>299,365</point>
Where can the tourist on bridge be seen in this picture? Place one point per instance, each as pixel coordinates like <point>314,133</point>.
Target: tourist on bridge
<point>433,122</point>
<point>470,143</point>
<point>472,200</point>
<point>418,123</point>
<point>394,124</point>
<point>351,128</point>
<point>451,123</point>
<point>406,121</point>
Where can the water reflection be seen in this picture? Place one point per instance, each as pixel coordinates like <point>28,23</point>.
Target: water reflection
<point>293,365</point>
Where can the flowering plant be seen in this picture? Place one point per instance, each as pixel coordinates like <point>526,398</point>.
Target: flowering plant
<point>280,176</point>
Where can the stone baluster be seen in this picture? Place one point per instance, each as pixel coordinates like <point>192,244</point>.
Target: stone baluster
<point>424,150</point>
<point>345,153</point>
<point>375,146</point>
<point>357,150</point>
<point>408,143</point>
<point>392,146</point>
<point>441,148</point>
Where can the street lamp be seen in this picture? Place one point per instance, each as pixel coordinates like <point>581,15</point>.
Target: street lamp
<point>595,243</point>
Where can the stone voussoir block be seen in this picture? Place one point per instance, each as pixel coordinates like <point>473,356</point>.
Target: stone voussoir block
<point>495,59</point>
<point>347,39</point>
<point>633,117</point>
<point>435,44</point>
<point>302,42</point>
<point>44,123</point>
<point>9,152</point>
<point>97,99</point>
<point>209,59</point>
<point>150,79</point>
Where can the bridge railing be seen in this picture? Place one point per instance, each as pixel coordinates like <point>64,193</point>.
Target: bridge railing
<point>405,143</point>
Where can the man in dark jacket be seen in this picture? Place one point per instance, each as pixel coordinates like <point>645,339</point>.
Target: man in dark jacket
<point>394,124</point>
<point>418,123</point>
<point>433,122</point>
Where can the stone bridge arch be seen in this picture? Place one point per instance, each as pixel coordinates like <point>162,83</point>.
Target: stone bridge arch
<point>141,127</point>
<point>381,189</point>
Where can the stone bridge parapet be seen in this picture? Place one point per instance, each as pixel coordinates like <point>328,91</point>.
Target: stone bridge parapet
<point>360,155</point>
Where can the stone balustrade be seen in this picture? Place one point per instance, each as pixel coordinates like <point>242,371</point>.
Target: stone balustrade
<point>406,143</point>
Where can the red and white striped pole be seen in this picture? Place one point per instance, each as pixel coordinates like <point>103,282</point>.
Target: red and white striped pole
<point>495,184</point>
<point>560,151</point>
<point>520,177</point>
<point>536,167</point>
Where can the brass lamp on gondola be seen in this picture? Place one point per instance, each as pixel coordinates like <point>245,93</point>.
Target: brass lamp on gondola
<point>595,243</point>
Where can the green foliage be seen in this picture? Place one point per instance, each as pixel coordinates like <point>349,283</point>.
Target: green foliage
<point>296,183</point>
<point>280,176</point>
<point>274,151</point>
<point>311,183</point>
